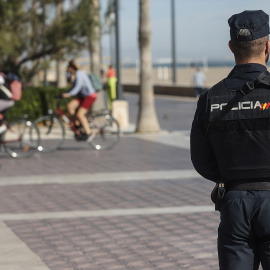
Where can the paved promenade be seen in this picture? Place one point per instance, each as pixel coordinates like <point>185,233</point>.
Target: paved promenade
<point>138,206</point>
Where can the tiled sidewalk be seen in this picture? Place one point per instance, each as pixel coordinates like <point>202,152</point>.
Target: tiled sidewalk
<point>139,206</point>
<point>130,242</point>
<point>129,155</point>
<point>110,225</point>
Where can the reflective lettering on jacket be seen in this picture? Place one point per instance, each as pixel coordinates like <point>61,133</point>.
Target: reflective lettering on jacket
<point>245,105</point>
<point>251,106</point>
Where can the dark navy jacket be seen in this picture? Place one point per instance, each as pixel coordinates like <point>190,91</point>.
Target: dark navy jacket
<point>238,147</point>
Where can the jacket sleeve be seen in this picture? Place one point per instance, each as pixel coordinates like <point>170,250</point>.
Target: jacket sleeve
<point>202,155</point>
<point>77,86</point>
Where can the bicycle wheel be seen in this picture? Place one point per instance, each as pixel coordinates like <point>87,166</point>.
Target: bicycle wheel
<point>106,131</point>
<point>52,133</point>
<point>21,139</point>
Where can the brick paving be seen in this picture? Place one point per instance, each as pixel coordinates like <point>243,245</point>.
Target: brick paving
<point>95,196</point>
<point>140,241</point>
<point>130,154</point>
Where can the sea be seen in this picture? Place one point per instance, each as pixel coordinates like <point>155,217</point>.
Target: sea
<point>214,63</point>
<point>198,64</point>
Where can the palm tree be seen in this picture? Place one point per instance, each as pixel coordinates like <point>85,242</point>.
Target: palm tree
<point>94,47</point>
<point>147,120</point>
<point>60,63</point>
<point>95,42</point>
<point>89,28</point>
<point>34,23</point>
<point>89,22</point>
<point>109,26</point>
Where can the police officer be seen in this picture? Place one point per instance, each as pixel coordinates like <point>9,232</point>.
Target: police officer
<point>236,149</point>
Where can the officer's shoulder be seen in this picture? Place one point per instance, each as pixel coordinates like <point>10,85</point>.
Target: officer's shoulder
<point>215,90</point>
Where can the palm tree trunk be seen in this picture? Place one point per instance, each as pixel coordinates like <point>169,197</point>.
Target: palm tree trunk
<point>95,59</point>
<point>61,65</point>
<point>35,79</point>
<point>95,56</point>
<point>61,72</point>
<point>147,120</point>
<point>94,41</point>
<point>72,5</point>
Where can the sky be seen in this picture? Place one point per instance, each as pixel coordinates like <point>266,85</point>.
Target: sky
<point>202,30</point>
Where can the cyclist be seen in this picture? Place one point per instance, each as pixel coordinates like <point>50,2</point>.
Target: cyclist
<point>82,88</point>
<point>6,101</point>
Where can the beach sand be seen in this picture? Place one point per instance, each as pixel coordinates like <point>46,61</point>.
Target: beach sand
<point>163,76</point>
<point>183,76</point>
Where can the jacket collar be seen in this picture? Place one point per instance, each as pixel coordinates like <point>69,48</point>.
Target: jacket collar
<point>247,68</point>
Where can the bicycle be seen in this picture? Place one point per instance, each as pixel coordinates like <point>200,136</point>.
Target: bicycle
<point>21,139</point>
<point>104,127</point>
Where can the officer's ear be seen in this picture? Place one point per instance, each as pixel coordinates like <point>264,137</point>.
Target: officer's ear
<point>230,46</point>
<point>267,47</point>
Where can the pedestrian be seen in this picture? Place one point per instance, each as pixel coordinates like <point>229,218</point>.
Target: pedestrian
<point>198,82</point>
<point>230,145</point>
<point>111,87</point>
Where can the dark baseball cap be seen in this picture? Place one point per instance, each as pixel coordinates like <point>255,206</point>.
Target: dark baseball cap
<point>249,25</point>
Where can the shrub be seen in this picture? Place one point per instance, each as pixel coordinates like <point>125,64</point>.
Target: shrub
<point>35,102</point>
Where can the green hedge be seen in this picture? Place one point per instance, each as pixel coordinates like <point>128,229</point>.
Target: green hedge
<point>35,102</point>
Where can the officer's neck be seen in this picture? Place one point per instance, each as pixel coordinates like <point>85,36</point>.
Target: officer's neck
<point>254,60</point>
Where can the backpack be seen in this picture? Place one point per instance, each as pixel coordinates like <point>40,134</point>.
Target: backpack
<point>15,86</point>
<point>97,84</point>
